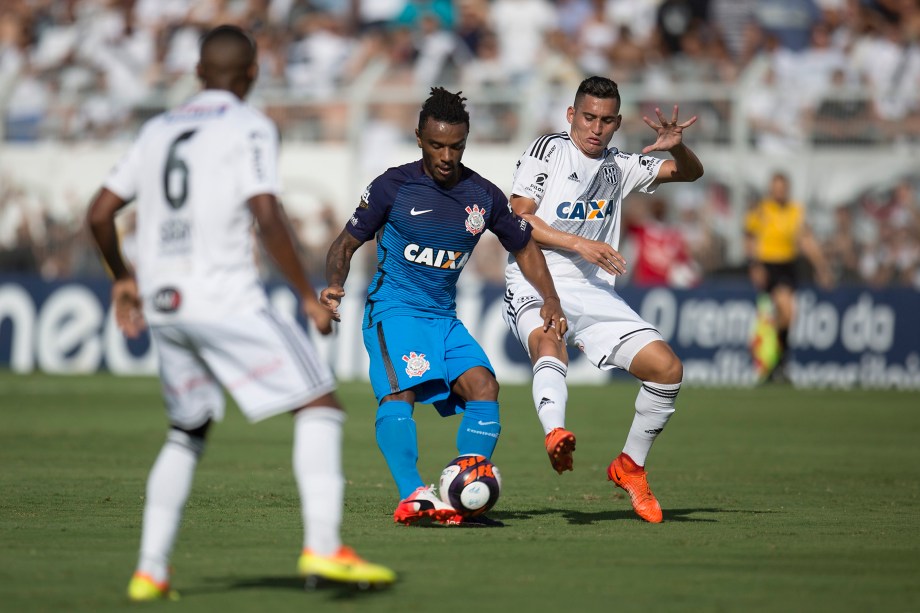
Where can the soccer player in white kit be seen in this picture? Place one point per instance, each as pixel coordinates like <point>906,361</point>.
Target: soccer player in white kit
<point>202,173</point>
<point>570,187</point>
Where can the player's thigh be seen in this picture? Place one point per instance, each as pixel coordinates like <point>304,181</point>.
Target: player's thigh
<point>468,367</point>
<point>407,353</point>
<point>191,393</point>
<point>609,331</point>
<point>266,361</point>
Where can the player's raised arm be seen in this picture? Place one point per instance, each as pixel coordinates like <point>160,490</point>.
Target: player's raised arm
<point>533,266</point>
<point>338,265</point>
<point>277,237</point>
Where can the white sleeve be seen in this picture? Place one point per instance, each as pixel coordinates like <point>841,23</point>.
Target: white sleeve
<point>639,172</point>
<point>124,177</point>
<point>258,166</point>
<point>530,177</point>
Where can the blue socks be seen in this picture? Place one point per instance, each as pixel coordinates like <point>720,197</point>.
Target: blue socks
<point>479,428</point>
<point>398,441</point>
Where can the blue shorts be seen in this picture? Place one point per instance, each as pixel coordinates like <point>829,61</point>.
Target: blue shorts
<point>425,355</point>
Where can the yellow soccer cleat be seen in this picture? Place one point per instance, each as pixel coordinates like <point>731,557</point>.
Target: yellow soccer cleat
<point>143,588</point>
<point>631,477</point>
<point>344,566</point>
<point>560,444</point>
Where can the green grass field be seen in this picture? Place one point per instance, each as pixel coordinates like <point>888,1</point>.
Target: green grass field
<point>774,500</point>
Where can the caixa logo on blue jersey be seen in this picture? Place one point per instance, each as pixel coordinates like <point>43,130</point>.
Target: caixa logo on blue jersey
<point>436,258</point>
<point>580,210</point>
<point>167,300</point>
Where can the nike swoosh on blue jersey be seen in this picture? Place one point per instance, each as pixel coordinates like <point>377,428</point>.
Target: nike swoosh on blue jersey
<point>487,423</point>
<point>414,212</point>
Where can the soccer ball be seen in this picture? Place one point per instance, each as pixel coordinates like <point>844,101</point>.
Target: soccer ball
<point>470,484</point>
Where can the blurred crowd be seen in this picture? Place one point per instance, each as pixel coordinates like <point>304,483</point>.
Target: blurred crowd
<point>872,241</point>
<point>841,70</point>
<point>804,73</point>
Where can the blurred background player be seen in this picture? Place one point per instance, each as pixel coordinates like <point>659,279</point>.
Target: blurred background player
<point>776,233</point>
<point>428,216</point>
<point>201,174</point>
<point>570,187</point>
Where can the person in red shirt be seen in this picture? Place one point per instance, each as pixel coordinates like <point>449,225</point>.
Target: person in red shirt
<point>661,253</point>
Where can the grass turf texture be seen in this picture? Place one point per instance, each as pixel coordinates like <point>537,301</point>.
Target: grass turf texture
<point>774,500</point>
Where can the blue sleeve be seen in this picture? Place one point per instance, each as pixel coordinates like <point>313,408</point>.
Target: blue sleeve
<point>374,208</point>
<point>512,231</point>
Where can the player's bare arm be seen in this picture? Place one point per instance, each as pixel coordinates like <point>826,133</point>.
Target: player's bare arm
<point>279,241</point>
<point>533,267</point>
<point>338,265</point>
<point>686,166</point>
<point>596,252</point>
<point>125,295</point>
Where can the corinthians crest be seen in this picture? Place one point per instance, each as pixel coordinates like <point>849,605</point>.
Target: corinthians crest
<point>416,364</point>
<point>475,221</point>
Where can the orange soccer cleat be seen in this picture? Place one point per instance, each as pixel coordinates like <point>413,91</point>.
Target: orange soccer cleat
<point>560,443</point>
<point>421,503</point>
<point>628,475</point>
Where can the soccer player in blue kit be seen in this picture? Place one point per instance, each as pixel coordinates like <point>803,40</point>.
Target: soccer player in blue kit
<point>427,217</point>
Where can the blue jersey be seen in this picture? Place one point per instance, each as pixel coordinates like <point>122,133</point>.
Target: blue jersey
<point>425,235</point>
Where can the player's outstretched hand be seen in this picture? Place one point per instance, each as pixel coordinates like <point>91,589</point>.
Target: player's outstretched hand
<point>603,255</point>
<point>669,132</point>
<point>331,298</point>
<point>320,315</point>
<point>553,317</point>
<point>128,313</point>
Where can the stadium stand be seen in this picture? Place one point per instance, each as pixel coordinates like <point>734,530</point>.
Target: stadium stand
<point>807,85</point>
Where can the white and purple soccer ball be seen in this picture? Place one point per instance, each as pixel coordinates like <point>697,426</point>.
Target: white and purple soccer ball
<point>470,484</point>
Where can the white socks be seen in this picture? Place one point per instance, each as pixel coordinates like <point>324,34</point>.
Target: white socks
<point>168,488</point>
<point>654,407</point>
<point>550,392</point>
<point>318,471</point>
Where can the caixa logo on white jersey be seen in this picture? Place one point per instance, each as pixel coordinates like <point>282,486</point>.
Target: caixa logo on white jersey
<point>436,258</point>
<point>592,209</point>
<point>167,300</point>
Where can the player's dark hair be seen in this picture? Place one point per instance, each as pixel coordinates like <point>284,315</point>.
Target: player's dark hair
<point>228,33</point>
<point>597,87</point>
<point>445,106</point>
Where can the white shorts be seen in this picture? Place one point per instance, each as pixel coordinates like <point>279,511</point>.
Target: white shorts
<point>265,361</point>
<point>600,322</point>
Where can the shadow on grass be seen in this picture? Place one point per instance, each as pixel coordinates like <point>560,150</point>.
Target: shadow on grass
<point>581,518</point>
<point>330,591</point>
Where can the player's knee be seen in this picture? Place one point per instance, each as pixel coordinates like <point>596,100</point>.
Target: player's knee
<point>658,363</point>
<point>486,388</point>
<point>672,371</point>
<point>193,440</point>
<point>476,384</point>
<point>545,344</point>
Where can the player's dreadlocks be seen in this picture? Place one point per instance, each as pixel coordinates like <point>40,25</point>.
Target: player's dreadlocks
<point>444,106</point>
<point>597,87</point>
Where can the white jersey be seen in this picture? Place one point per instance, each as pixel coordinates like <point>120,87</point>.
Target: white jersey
<point>579,195</point>
<point>192,170</point>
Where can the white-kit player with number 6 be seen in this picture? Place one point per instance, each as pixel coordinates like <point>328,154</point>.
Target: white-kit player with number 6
<point>203,176</point>
<point>570,187</point>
